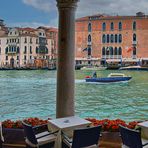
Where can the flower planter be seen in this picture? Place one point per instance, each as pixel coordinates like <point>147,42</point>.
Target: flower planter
<point>110,140</point>
<point>13,136</point>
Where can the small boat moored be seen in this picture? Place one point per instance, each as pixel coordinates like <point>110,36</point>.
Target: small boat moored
<point>134,68</point>
<point>112,77</point>
<point>93,68</point>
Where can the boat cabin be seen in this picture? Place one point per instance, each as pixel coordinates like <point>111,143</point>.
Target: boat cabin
<point>116,75</point>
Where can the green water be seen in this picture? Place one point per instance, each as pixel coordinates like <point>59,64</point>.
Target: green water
<point>33,94</point>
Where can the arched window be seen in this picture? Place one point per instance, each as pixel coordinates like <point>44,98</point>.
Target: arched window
<point>25,49</point>
<point>116,38</point>
<point>6,50</point>
<point>18,50</point>
<point>46,50</point>
<point>134,25</point>
<point>115,51</point>
<point>104,26</point>
<point>107,38</point>
<point>37,50</point>
<point>107,50</point>
<point>89,27</point>
<point>112,38</point>
<point>134,51</point>
<point>134,37</point>
<point>120,26</point>
<point>89,51</point>
<point>10,49</point>
<point>31,40</point>
<point>103,51</point>
<point>111,50</point>
<point>14,48</point>
<point>120,51</point>
<point>112,26</point>
<point>120,38</point>
<point>103,38</point>
<point>89,38</point>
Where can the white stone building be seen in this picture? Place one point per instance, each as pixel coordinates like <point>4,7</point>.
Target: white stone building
<point>27,47</point>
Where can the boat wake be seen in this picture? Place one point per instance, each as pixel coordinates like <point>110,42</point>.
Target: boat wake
<point>107,83</point>
<point>79,81</point>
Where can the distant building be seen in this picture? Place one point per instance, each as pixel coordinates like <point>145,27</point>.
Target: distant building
<point>27,47</point>
<point>104,39</point>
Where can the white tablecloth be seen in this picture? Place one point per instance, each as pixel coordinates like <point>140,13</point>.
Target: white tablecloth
<point>66,125</point>
<point>144,129</point>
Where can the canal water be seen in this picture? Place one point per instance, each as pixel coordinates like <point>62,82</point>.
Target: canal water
<point>33,94</point>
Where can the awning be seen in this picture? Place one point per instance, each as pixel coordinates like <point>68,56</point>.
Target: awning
<point>144,59</point>
<point>113,60</point>
<point>130,60</point>
<point>87,59</point>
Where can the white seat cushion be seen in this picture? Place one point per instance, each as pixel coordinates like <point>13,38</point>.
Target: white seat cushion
<point>41,134</point>
<point>46,139</point>
<point>43,140</point>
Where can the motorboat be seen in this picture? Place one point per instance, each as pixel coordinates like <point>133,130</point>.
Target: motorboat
<point>93,68</point>
<point>134,68</point>
<point>112,77</point>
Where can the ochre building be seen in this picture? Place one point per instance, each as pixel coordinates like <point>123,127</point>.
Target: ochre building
<point>104,39</point>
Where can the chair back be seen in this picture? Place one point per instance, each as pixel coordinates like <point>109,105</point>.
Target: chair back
<point>1,135</point>
<point>86,137</point>
<point>29,132</point>
<point>130,138</point>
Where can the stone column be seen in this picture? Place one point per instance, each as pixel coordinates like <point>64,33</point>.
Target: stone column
<point>66,58</point>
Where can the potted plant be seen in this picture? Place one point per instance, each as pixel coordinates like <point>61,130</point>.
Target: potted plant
<point>13,131</point>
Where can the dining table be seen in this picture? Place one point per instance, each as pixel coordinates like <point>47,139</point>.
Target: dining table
<point>66,125</point>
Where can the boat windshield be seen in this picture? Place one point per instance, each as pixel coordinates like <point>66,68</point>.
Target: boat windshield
<point>116,75</point>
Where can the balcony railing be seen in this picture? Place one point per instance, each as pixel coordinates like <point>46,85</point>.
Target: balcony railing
<point>134,43</point>
<point>111,56</point>
<point>12,52</point>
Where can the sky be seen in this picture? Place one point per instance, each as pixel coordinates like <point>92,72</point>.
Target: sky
<point>34,13</point>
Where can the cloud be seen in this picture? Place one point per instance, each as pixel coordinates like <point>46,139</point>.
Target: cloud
<point>91,7</point>
<point>28,24</point>
<point>112,7</point>
<point>43,5</point>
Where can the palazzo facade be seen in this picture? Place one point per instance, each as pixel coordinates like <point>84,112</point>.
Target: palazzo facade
<point>27,47</point>
<point>102,39</point>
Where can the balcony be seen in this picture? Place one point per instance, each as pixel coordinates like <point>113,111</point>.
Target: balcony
<point>11,52</point>
<point>134,43</point>
<point>89,43</point>
<point>42,50</point>
<point>111,56</point>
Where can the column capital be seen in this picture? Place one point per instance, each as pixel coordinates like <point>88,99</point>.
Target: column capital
<point>67,3</point>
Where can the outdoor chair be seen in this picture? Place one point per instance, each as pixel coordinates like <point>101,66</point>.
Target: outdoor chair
<point>1,135</point>
<point>132,138</point>
<point>87,137</point>
<point>43,139</point>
